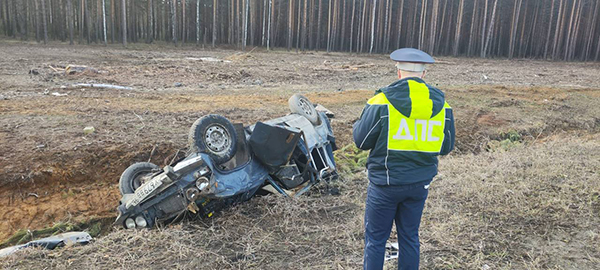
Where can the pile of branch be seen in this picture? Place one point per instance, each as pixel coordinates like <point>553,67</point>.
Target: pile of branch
<point>75,70</point>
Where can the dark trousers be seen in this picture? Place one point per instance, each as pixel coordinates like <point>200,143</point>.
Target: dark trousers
<point>404,204</point>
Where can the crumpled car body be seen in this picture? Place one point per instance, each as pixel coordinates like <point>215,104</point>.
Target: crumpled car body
<point>286,155</point>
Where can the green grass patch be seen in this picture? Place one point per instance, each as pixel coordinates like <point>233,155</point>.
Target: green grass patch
<point>350,159</point>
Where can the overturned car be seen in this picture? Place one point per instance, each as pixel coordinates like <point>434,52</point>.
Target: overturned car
<point>229,163</point>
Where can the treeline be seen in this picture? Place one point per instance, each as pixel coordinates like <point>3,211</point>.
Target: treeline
<point>549,29</point>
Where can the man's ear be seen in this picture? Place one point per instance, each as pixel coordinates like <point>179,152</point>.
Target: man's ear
<point>399,74</point>
<point>424,73</point>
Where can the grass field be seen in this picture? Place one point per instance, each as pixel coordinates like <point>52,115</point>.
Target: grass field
<point>521,191</point>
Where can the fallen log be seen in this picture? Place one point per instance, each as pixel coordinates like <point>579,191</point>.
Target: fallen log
<point>101,85</point>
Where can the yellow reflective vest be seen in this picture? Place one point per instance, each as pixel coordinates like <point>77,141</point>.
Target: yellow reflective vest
<point>406,126</point>
<point>420,132</point>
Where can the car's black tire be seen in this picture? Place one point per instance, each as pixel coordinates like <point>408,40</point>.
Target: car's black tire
<point>301,105</point>
<point>214,135</point>
<point>131,178</point>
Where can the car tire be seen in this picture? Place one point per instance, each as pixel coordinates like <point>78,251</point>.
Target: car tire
<point>213,135</point>
<point>131,178</point>
<point>299,104</point>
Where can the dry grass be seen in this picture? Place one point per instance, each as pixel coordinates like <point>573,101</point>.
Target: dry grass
<point>533,206</point>
<point>486,113</point>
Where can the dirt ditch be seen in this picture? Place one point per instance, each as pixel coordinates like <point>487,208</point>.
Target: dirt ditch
<point>71,187</point>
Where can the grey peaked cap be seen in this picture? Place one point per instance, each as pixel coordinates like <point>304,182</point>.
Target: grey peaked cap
<point>411,55</point>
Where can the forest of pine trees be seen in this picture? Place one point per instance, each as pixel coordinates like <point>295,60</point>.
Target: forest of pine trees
<point>547,29</point>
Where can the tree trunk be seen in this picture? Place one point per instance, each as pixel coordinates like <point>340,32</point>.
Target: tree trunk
<point>434,19</point>
<point>311,25</point>
<point>246,24</point>
<point>524,22</point>
<point>131,23</point>
<point>422,24</point>
<point>590,35</point>
<point>269,25</point>
<point>329,26</point>
<point>14,18</point>
<point>4,17</point>
<point>318,41</point>
<point>385,27</point>
<point>197,22</point>
<point>559,26</point>
<point>253,16</point>
<point>88,20</point>
<point>60,26</point>
<point>489,35</point>
<point>459,26</point>
<point>373,26</point>
<point>38,25</point>
<point>298,26</point>
<point>174,21</point>
<point>123,22</point>
<point>472,31</point>
<point>549,30</point>
<point>336,17</point>
<point>361,33</point>
<point>343,30</point>
<point>22,19</point>
<point>11,29</point>
<point>331,32</point>
<point>104,21</point>
<point>150,22</point>
<point>231,35</point>
<point>440,36</point>
<point>98,13</point>
<point>485,11</point>
<point>276,22</point>
<point>513,29</point>
<point>264,23</point>
<point>81,20</point>
<point>597,49</point>
<point>291,24</point>
<point>400,13</point>
<point>166,20</point>
<point>534,42</point>
<point>214,31</point>
<point>44,23</point>
<point>304,25</point>
<point>70,20</point>
<point>388,33</point>
<point>448,23</point>
<point>569,30</point>
<point>352,24</point>
<point>575,31</point>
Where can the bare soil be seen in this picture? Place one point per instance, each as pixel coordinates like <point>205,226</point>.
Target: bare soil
<point>50,171</point>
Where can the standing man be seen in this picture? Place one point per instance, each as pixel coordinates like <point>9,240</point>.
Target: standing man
<point>406,125</point>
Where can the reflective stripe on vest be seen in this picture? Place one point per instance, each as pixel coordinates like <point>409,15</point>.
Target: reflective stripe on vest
<point>420,132</point>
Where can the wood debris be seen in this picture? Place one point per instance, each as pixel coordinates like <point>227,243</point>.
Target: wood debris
<point>101,85</point>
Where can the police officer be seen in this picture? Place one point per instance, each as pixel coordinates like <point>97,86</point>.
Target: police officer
<point>406,125</point>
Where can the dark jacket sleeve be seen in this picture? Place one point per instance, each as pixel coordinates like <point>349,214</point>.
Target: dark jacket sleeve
<point>448,144</point>
<point>366,130</point>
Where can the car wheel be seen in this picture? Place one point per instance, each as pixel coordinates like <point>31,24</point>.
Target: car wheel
<point>301,105</point>
<point>134,176</point>
<point>214,135</point>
